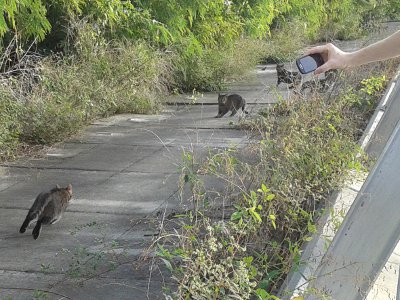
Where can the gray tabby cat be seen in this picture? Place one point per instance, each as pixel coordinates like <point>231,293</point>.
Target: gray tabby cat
<point>48,208</point>
<point>230,102</point>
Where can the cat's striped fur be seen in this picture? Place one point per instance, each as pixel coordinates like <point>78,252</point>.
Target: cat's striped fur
<point>48,208</point>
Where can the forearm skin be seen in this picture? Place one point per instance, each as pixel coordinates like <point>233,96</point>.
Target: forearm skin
<point>382,50</point>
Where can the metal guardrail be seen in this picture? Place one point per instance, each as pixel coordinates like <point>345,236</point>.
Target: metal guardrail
<point>368,234</point>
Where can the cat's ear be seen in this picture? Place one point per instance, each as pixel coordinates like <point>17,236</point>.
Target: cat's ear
<point>224,99</point>
<point>220,95</point>
<point>69,188</point>
<point>57,186</point>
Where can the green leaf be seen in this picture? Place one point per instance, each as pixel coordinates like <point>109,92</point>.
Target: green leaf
<point>262,293</point>
<point>269,279</point>
<point>270,197</point>
<point>273,218</point>
<point>248,260</point>
<point>256,215</point>
<point>264,188</point>
<point>307,238</point>
<point>311,227</point>
<point>236,215</point>
<point>167,264</point>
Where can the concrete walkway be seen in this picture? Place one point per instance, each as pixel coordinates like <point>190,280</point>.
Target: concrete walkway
<point>123,170</point>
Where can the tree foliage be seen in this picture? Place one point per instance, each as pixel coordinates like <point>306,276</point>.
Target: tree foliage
<point>197,24</point>
<point>26,18</point>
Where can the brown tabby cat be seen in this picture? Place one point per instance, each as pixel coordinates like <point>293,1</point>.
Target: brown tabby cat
<point>230,102</point>
<point>48,208</point>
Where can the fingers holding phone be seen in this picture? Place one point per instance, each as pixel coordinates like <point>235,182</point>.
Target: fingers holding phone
<point>332,57</point>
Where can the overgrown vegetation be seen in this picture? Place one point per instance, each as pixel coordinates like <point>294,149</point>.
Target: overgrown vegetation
<point>59,97</point>
<point>95,58</point>
<point>242,243</point>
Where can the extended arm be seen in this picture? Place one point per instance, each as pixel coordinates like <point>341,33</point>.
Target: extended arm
<point>337,59</point>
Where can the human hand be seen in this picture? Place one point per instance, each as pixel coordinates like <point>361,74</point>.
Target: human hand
<point>334,58</point>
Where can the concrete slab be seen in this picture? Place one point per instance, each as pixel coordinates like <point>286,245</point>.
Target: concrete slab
<point>100,158</point>
<point>28,283</point>
<point>30,182</point>
<point>126,288</point>
<point>129,193</point>
<point>81,243</point>
<point>168,160</point>
<point>103,287</point>
<point>161,136</point>
<point>130,119</point>
<point>133,136</point>
<point>203,116</point>
<point>102,192</point>
<point>176,135</point>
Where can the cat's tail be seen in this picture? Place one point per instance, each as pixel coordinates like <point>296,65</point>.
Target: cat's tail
<point>29,218</point>
<point>37,229</point>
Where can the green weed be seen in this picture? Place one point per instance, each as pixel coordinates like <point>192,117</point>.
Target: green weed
<point>40,295</point>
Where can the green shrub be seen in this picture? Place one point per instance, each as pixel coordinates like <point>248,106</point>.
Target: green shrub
<point>243,57</point>
<point>337,19</point>
<point>10,128</point>
<point>209,69</point>
<point>125,77</point>
<point>49,121</point>
<point>286,41</point>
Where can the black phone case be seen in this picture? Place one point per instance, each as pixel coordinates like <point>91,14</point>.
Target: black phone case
<point>317,58</point>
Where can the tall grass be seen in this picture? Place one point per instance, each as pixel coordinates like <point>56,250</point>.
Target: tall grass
<point>74,91</point>
<point>10,127</point>
<point>64,93</point>
<point>210,69</point>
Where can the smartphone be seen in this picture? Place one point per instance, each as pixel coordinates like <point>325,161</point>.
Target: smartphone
<point>309,63</point>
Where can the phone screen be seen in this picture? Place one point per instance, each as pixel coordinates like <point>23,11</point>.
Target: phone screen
<point>309,63</point>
